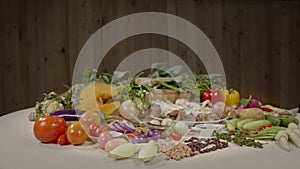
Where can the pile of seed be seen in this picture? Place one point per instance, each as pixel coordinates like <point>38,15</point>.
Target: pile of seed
<point>179,152</point>
<point>205,145</point>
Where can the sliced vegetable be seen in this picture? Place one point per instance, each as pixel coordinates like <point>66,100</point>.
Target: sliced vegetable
<point>148,151</point>
<point>115,126</point>
<point>126,125</point>
<point>113,143</point>
<point>123,151</point>
<point>121,126</point>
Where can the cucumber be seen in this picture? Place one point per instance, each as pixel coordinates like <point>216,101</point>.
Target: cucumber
<point>255,125</point>
<point>241,123</point>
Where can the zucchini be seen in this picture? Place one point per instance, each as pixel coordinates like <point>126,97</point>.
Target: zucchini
<point>231,124</point>
<point>241,123</point>
<point>255,125</point>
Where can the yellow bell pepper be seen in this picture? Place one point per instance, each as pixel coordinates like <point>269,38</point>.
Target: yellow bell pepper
<point>231,97</point>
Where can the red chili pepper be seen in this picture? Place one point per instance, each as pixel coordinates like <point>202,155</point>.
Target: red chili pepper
<point>266,109</point>
<point>265,126</point>
<point>252,132</point>
<point>229,135</point>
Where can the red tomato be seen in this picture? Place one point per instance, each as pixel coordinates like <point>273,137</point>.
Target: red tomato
<point>76,134</point>
<point>47,129</point>
<point>62,140</point>
<point>213,95</point>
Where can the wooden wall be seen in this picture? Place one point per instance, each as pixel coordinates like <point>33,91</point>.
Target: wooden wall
<point>258,42</point>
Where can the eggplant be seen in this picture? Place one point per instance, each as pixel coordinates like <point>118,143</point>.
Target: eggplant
<point>68,115</point>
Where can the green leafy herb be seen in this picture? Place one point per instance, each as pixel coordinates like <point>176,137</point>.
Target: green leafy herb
<point>239,139</point>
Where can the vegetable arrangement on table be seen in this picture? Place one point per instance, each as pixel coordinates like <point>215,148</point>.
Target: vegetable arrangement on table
<point>143,117</point>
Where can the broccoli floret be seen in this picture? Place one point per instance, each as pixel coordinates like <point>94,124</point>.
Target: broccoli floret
<point>285,120</point>
<point>274,120</point>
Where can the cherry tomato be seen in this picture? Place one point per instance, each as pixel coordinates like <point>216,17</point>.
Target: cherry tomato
<point>62,140</point>
<point>213,95</point>
<point>176,136</point>
<point>76,134</point>
<point>47,129</point>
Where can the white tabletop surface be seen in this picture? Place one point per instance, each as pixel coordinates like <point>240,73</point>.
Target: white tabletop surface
<point>20,150</point>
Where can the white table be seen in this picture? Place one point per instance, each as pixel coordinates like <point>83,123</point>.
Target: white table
<point>20,150</point>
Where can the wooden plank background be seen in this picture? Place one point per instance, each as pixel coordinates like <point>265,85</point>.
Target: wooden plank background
<point>258,42</point>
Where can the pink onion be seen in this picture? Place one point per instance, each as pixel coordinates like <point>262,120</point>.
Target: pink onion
<point>115,126</point>
<point>126,125</point>
<point>121,126</point>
